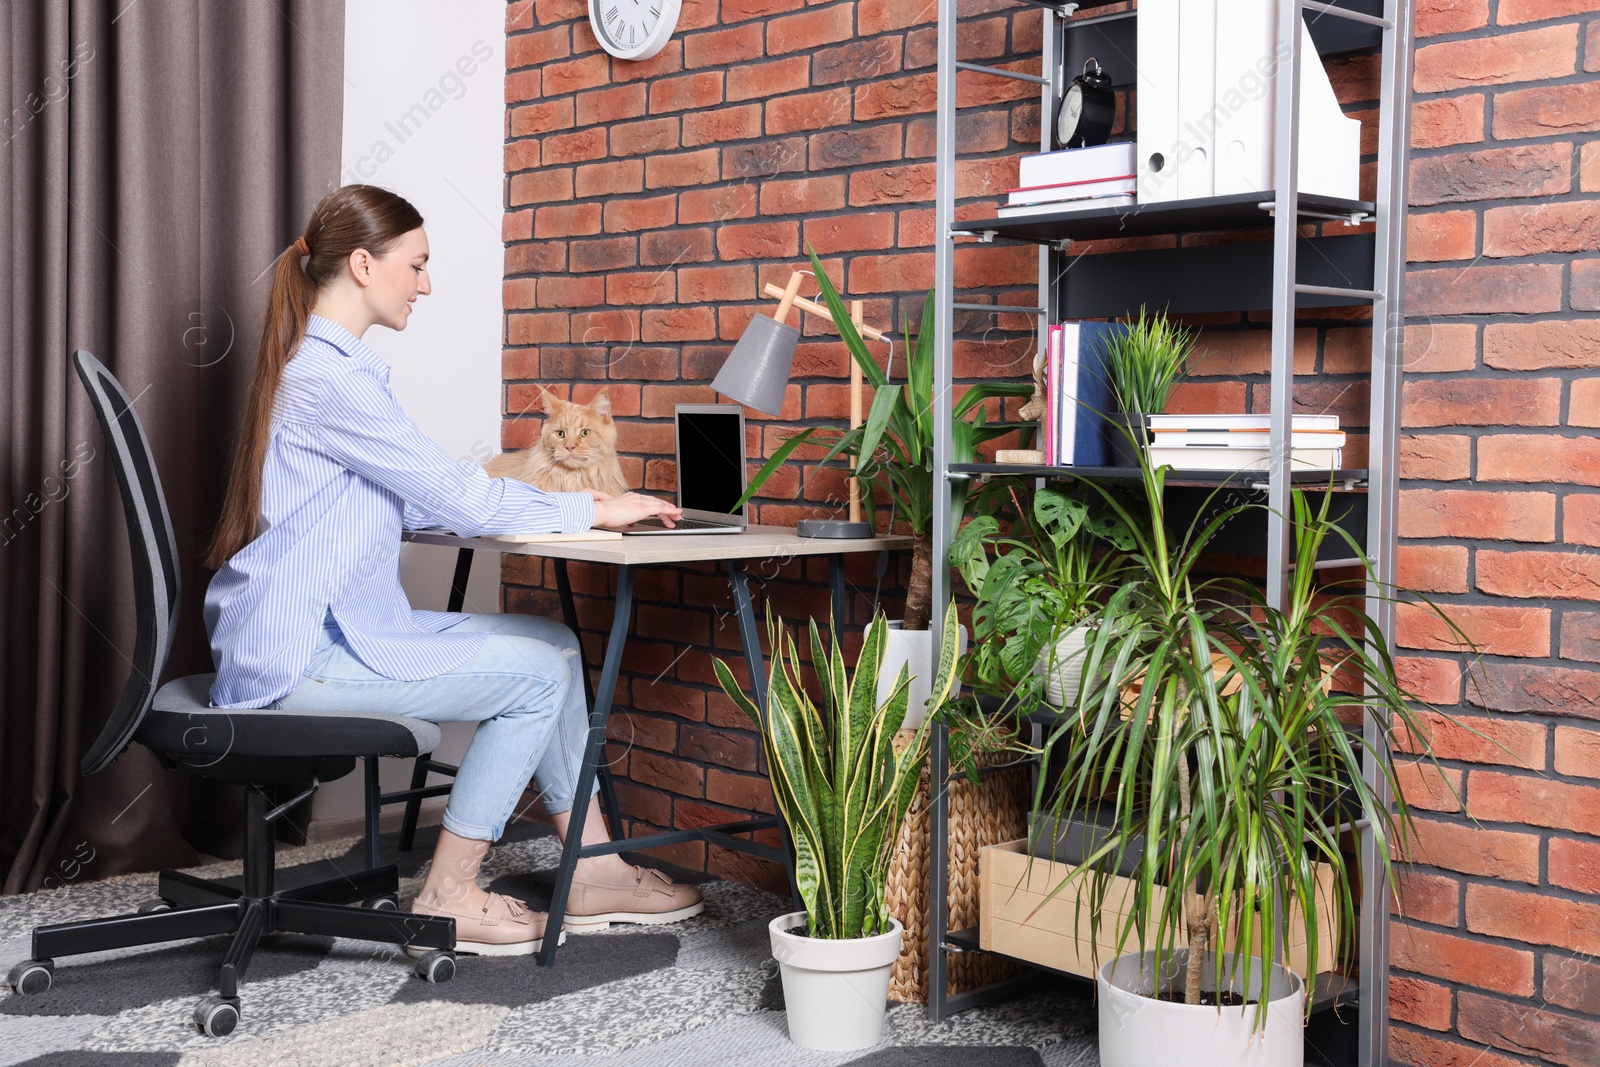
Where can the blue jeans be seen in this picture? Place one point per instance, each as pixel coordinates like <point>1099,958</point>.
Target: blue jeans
<point>524,688</point>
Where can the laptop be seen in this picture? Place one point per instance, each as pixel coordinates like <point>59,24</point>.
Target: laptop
<point>711,471</point>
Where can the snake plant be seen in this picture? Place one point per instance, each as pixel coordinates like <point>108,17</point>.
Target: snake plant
<point>841,788</point>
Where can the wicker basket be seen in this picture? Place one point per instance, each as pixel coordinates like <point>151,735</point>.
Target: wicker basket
<point>994,810</point>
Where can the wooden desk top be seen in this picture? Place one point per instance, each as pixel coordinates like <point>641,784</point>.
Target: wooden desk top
<point>757,542</point>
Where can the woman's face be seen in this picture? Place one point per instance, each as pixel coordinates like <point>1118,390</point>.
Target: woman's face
<point>398,277</point>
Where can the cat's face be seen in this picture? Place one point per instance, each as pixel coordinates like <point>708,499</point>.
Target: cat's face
<point>578,435</point>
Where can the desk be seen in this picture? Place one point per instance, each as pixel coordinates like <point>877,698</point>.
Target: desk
<point>734,550</point>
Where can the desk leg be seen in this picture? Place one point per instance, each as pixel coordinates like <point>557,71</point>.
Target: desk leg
<point>750,637</point>
<point>593,758</point>
<point>836,583</point>
<point>569,615</point>
<point>458,584</point>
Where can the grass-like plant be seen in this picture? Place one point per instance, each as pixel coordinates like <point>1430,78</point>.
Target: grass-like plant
<point>1146,361</point>
<point>841,788</point>
<point>1231,765</point>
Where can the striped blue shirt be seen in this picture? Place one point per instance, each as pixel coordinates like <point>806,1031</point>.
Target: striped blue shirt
<point>345,468</point>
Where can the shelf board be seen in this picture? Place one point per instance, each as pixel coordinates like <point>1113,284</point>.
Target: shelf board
<point>1342,477</point>
<point>1083,5</point>
<point>1330,990</point>
<point>966,939</point>
<point>1237,211</point>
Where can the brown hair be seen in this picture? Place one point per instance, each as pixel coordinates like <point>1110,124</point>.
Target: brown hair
<point>352,217</point>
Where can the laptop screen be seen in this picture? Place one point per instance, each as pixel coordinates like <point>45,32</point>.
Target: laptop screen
<point>711,475</point>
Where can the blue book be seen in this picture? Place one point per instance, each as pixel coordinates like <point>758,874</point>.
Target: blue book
<point>1084,394</point>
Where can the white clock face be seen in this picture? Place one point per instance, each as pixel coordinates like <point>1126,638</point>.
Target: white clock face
<point>633,29</point>
<point>1071,112</point>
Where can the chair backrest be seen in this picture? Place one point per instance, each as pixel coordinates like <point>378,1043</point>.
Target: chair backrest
<point>155,556</point>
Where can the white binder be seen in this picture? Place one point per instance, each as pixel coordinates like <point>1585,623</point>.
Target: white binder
<point>1159,91</point>
<point>1207,97</point>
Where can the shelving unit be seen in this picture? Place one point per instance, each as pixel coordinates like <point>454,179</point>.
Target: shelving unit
<point>1289,272</point>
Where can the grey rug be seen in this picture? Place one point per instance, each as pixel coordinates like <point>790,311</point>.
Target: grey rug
<point>702,992</point>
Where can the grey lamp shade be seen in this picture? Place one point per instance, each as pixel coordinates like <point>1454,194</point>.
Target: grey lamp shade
<point>756,372</point>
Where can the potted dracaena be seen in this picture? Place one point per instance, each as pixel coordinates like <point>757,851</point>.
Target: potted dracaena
<point>893,450</point>
<point>1212,748</point>
<point>843,791</point>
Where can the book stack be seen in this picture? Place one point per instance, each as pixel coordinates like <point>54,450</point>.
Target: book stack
<point>1077,394</point>
<point>1073,179</point>
<point>1242,442</point>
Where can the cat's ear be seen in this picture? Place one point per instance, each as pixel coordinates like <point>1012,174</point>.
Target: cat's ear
<point>601,404</point>
<point>553,404</point>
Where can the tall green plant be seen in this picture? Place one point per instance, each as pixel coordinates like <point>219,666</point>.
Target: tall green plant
<point>1146,361</point>
<point>840,787</point>
<point>1231,766</point>
<point>893,446</point>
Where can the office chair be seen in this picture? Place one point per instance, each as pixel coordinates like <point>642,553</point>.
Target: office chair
<point>261,750</point>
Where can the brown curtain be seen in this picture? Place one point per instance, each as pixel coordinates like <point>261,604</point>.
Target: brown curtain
<point>156,156</point>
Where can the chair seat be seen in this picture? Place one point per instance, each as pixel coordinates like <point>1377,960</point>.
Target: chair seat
<point>182,720</point>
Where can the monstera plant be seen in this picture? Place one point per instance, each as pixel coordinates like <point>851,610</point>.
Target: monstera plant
<point>1038,561</point>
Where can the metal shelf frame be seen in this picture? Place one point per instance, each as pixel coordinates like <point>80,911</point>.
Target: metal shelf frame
<point>1395,47</point>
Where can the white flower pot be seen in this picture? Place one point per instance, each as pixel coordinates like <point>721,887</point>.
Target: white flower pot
<point>834,992</point>
<point>1137,1030</point>
<point>1062,666</point>
<point>914,649</point>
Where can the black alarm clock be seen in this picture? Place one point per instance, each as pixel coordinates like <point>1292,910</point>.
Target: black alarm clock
<point>1087,109</point>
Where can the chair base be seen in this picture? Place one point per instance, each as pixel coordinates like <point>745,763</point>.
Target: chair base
<point>190,907</point>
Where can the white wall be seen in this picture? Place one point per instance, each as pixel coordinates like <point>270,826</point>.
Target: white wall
<point>424,115</point>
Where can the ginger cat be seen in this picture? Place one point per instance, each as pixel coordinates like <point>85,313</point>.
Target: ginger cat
<point>577,450</point>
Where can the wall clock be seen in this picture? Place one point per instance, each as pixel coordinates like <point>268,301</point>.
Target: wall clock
<point>634,29</point>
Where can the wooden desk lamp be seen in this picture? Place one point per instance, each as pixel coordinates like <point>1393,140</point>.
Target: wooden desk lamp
<point>756,374</point>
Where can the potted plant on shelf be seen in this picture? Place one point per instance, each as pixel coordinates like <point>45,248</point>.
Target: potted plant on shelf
<point>1144,362</point>
<point>1038,562</point>
<point>893,450</point>
<point>1210,738</point>
<point>842,789</point>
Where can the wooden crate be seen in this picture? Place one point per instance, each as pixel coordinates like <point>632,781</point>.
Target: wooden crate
<point>1016,920</point>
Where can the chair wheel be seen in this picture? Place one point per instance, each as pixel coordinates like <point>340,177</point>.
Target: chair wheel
<point>437,966</point>
<point>382,904</point>
<point>32,976</point>
<point>217,1016</point>
<point>150,907</point>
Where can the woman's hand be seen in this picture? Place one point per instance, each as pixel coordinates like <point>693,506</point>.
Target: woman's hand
<point>596,494</point>
<point>617,511</point>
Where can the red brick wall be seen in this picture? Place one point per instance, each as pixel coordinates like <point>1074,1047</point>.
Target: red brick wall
<point>647,203</point>
<point>1500,517</point>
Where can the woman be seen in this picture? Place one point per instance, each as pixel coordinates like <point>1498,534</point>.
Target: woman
<point>306,610</point>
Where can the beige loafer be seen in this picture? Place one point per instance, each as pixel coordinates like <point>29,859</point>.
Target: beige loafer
<point>502,927</point>
<point>651,899</point>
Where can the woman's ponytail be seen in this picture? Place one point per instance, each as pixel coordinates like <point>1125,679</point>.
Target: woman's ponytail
<point>355,216</point>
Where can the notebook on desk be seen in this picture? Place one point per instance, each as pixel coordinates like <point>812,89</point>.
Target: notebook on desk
<point>711,471</point>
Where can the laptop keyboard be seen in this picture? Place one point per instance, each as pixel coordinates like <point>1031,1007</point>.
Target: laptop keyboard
<point>682,524</point>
